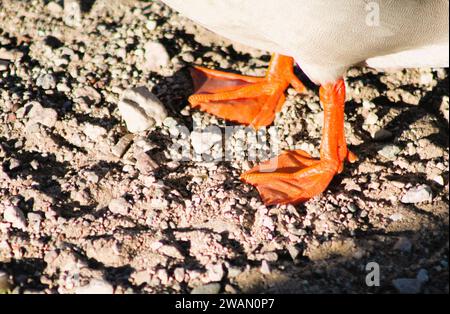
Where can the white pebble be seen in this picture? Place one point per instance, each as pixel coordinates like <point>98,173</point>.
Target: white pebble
<point>151,25</point>
<point>72,13</point>
<point>371,119</point>
<point>96,286</point>
<point>94,131</point>
<point>156,56</point>
<point>203,141</point>
<point>439,180</point>
<point>3,65</point>
<point>389,151</point>
<point>396,217</point>
<point>15,216</point>
<point>265,268</point>
<point>119,206</point>
<point>212,288</point>
<point>418,194</point>
<point>39,114</point>
<point>215,272</point>
<point>141,109</point>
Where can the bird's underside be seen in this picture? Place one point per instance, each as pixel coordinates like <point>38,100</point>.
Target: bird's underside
<point>325,38</point>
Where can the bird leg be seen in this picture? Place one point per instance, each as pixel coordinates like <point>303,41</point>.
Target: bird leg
<point>297,176</point>
<point>247,100</point>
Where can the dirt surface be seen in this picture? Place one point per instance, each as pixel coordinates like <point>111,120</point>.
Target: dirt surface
<point>86,206</point>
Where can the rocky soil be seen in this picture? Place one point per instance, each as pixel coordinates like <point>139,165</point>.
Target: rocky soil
<point>93,198</point>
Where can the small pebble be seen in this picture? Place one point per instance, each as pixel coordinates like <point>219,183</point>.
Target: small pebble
<point>41,115</point>
<point>202,142</point>
<point>162,275</point>
<point>144,163</point>
<point>54,8</point>
<point>211,288</point>
<point>14,163</point>
<point>141,109</point>
<point>142,277</point>
<point>3,65</point>
<point>15,216</point>
<point>5,283</point>
<point>422,276</point>
<point>403,244</point>
<point>156,56</point>
<point>94,132</point>
<point>265,268</point>
<point>234,271</point>
<point>10,55</point>
<point>119,206</point>
<point>90,94</point>
<point>179,274</point>
<point>439,180</point>
<point>444,107</point>
<point>46,81</point>
<point>151,25</point>
<point>96,286</point>
<point>371,119</point>
<point>72,13</point>
<point>418,194</point>
<point>396,217</point>
<point>352,208</point>
<point>389,151</point>
<point>230,289</point>
<point>215,272</point>
<point>382,135</point>
<point>122,145</point>
<point>171,251</point>
<point>407,285</point>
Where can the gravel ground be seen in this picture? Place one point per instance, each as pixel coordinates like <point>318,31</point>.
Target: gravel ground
<point>87,206</point>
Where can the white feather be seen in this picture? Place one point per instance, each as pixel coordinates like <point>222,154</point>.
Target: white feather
<point>326,37</point>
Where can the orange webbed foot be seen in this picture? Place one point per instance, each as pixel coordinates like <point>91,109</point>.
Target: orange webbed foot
<point>295,176</point>
<point>244,99</point>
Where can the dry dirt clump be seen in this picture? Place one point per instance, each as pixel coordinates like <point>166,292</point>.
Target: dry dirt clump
<point>87,206</point>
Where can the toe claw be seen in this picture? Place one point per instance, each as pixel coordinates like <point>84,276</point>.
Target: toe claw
<point>352,157</point>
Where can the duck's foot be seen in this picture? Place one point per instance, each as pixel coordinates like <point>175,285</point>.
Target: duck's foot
<point>244,99</point>
<point>294,176</point>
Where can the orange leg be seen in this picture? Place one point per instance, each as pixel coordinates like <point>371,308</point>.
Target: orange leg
<point>294,176</point>
<point>247,100</point>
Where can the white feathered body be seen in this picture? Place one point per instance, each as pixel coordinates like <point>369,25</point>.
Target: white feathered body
<point>326,37</point>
